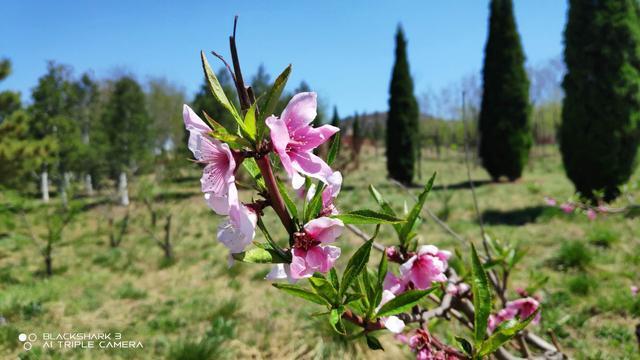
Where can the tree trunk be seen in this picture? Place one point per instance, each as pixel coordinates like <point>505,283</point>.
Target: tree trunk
<point>168,251</point>
<point>123,189</point>
<point>88,185</point>
<point>44,185</point>
<point>48,266</point>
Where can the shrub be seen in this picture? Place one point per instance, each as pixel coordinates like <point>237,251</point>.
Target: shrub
<point>573,254</point>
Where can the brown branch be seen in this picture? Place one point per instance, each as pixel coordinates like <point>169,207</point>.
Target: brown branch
<point>275,198</point>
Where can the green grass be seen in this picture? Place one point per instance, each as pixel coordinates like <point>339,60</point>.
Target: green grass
<point>197,307</point>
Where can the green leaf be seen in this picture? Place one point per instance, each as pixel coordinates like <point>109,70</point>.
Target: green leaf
<point>216,88</point>
<point>333,277</point>
<point>481,297</point>
<point>324,288</point>
<point>234,141</point>
<point>355,265</point>
<point>415,211</point>
<point>272,98</point>
<point>367,217</point>
<point>250,121</point>
<point>260,256</point>
<point>301,293</point>
<point>291,206</point>
<point>403,302</point>
<point>252,168</point>
<point>334,149</point>
<point>315,205</point>
<point>373,343</point>
<point>504,333</point>
<point>351,297</point>
<point>385,206</point>
<point>335,319</point>
<point>382,272</point>
<point>213,124</point>
<point>465,345</point>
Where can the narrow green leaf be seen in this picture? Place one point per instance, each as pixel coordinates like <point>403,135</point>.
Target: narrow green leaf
<point>234,141</point>
<point>403,302</point>
<point>315,205</point>
<point>384,205</point>
<point>415,211</point>
<point>382,272</point>
<point>259,256</point>
<point>216,88</point>
<point>324,288</point>
<point>335,319</point>
<point>504,333</point>
<point>481,297</point>
<point>367,217</point>
<point>301,293</point>
<point>291,206</point>
<point>272,98</point>
<point>373,343</point>
<point>252,167</point>
<point>333,277</point>
<point>250,121</point>
<point>213,124</point>
<point>334,149</point>
<point>465,345</point>
<point>355,265</point>
<point>351,297</point>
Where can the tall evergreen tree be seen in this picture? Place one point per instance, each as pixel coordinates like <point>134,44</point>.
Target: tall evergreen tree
<point>54,99</point>
<point>87,112</point>
<point>127,128</point>
<point>505,134</point>
<point>356,140</point>
<point>20,153</point>
<point>335,120</point>
<point>600,129</point>
<point>402,120</point>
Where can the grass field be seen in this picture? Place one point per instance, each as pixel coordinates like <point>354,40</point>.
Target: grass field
<point>196,307</point>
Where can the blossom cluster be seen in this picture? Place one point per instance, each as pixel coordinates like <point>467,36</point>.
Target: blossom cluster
<point>569,207</point>
<point>293,140</point>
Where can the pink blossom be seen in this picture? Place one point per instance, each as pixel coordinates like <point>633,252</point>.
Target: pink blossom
<point>280,272</point>
<point>238,230</point>
<point>420,343</point>
<point>603,208</point>
<point>392,323</point>
<point>218,174</point>
<point>567,208</point>
<point>425,267</point>
<point>523,308</point>
<point>329,194</point>
<point>309,254</point>
<point>394,284</point>
<point>550,201</point>
<point>591,214</point>
<point>634,290</point>
<point>294,139</point>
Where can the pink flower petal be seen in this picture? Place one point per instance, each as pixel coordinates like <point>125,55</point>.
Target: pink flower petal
<point>311,165</point>
<point>300,111</point>
<point>324,229</point>
<point>308,138</point>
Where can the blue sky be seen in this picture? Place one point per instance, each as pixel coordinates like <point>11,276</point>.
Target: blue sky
<point>343,49</point>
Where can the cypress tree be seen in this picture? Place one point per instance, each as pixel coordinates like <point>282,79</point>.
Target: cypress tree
<point>402,120</point>
<point>335,120</point>
<point>505,134</point>
<point>356,141</point>
<point>600,129</point>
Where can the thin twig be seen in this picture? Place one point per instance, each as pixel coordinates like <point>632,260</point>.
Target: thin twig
<point>433,216</point>
<point>364,236</point>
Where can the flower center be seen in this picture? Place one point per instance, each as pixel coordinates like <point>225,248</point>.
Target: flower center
<point>304,241</point>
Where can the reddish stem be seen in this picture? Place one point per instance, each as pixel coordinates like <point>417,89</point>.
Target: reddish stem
<point>274,193</point>
<point>361,322</point>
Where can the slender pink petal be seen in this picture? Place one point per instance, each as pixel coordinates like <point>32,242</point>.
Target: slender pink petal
<point>393,284</point>
<point>195,126</point>
<point>238,231</point>
<point>311,165</point>
<point>324,229</point>
<point>308,138</point>
<point>300,111</point>
<point>279,272</point>
<point>280,140</point>
<point>219,204</point>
